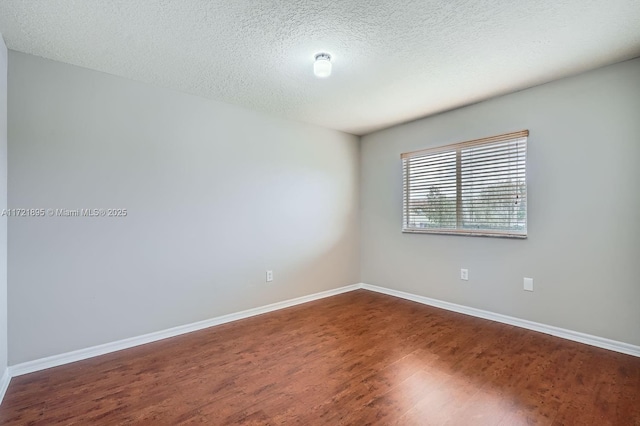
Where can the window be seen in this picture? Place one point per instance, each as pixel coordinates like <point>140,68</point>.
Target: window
<point>470,188</point>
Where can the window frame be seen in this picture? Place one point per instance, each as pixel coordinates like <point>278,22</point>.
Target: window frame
<point>457,149</point>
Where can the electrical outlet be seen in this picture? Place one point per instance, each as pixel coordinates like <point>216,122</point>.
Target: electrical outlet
<point>269,276</point>
<point>528,284</point>
<point>464,274</point>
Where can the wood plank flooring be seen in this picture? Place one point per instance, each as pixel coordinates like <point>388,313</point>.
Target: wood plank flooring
<point>359,358</point>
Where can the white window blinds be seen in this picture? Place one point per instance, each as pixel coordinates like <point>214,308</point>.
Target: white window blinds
<point>471,188</point>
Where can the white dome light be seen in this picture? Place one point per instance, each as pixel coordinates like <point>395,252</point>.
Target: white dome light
<point>322,65</point>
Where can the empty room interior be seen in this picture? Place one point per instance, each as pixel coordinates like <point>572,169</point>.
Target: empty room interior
<point>305,212</point>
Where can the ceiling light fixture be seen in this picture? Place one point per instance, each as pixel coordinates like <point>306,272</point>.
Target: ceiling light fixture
<point>322,65</point>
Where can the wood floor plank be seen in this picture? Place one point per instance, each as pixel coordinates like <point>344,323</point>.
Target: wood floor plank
<point>354,359</point>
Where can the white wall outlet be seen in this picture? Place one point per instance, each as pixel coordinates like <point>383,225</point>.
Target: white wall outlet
<point>269,276</point>
<point>464,274</point>
<point>528,284</point>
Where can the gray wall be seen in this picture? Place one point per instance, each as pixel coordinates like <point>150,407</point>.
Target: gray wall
<point>3,205</point>
<point>216,194</point>
<point>584,208</point>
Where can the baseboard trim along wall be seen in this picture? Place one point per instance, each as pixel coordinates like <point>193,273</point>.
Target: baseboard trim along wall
<point>79,355</point>
<point>69,357</point>
<point>4,382</point>
<point>576,336</point>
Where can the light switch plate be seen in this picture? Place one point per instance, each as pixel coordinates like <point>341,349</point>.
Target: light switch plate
<point>528,284</point>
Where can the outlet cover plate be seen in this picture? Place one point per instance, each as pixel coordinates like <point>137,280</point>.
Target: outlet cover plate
<point>464,274</point>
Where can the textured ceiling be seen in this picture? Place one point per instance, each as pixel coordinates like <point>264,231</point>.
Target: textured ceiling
<point>393,60</point>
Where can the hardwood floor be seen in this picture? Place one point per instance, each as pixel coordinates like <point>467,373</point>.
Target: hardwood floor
<point>354,359</point>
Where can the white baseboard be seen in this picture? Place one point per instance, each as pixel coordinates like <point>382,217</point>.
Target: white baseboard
<point>576,336</point>
<point>4,383</point>
<point>78,355</point>
<point>66,358</point>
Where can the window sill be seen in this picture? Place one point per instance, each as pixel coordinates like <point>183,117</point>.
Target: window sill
<point>467,233</point>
